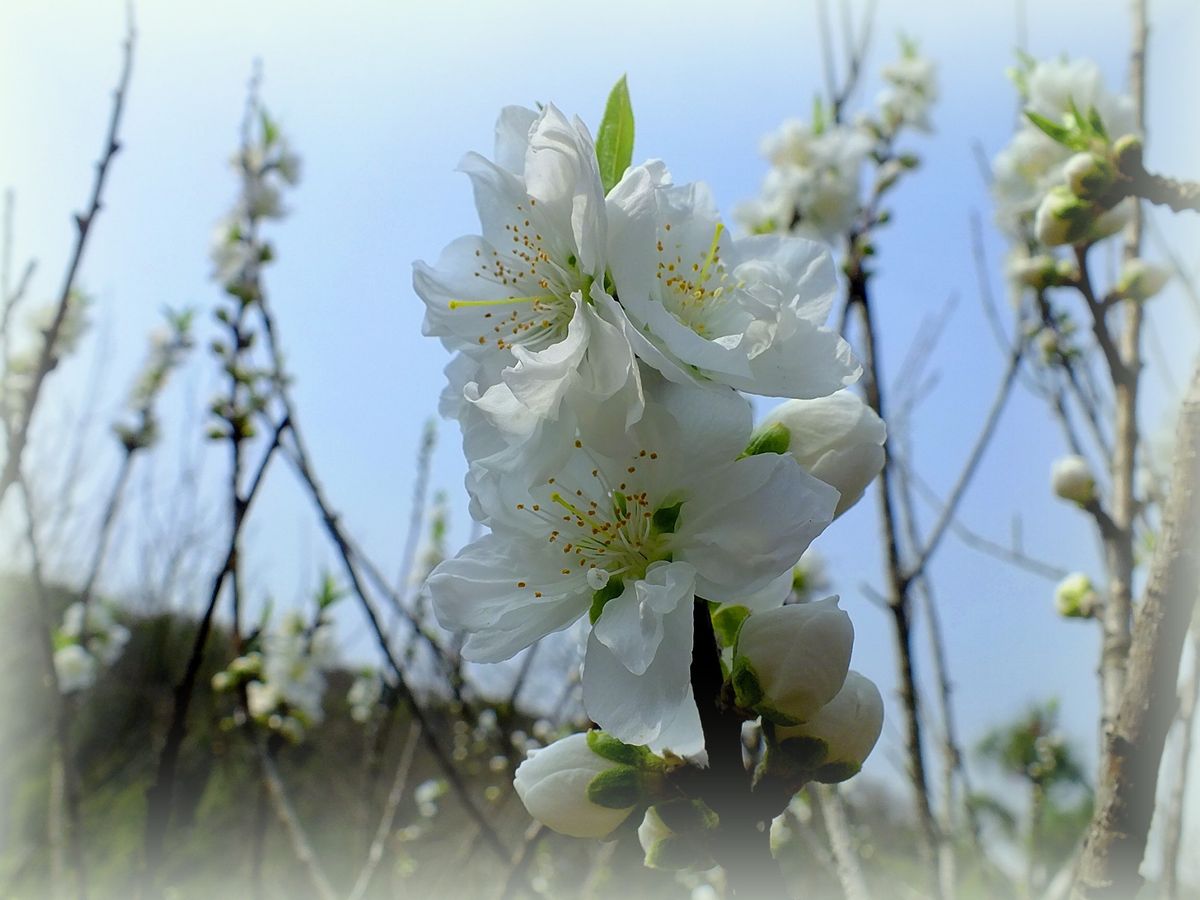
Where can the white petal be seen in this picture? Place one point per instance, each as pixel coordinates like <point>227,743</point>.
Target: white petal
<point>750,524</point>
<point>638,709</point>
<point>631,625</point>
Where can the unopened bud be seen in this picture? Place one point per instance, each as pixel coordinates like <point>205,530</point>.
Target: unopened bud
<point>1075,597</point>
<point>1127,151</point>
<point>1062,218</point>
<point>574,790</point>
<point>834,743</point>
<point>1141,280</point>
<point>791,661</point>
<point>673,835</point>
<point>1089,175</point>
<point>837,439</point>
<point>1071,479</point>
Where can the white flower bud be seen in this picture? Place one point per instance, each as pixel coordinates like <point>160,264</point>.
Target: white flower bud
<point>834,743</point>
<point>1141,280</point>
<point>1072,479</point>
<point>75,668</point>
<point>1063,218</point>
<point>261,699</point>
<point>1075,598</point>
<point>837,439</point>
<point>673,835</point>
<point>791,661</point>
<point>558,785</point>
<point>1089,175</point>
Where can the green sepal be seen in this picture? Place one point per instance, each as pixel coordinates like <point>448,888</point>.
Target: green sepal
<point>727,621</point>
<point>775,438</point>
<point>618,788</point>
<point>674,853</point>
<point>746,688</point>
<point>804,751</point>
<point>666,518</point>
<point>685,816</point>
<point>614,140</point>
<point>610,591</point>
<point>605,745</point>
<point>837,772</point>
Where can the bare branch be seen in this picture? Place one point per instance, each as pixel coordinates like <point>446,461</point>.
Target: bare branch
<point>48,357</point>
<point>297,837</point>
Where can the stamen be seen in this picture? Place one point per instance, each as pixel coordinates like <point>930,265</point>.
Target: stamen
<point>546,298</point>
<point>712,253</point>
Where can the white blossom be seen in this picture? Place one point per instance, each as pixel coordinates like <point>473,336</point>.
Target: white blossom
<point>75,668</point>
<point>678,516</point>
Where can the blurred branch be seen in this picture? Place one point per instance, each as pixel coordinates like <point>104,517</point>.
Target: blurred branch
<point>1116,838</point>
<point>833,812</point>
<point>1173,828</point>
<point>297,837</point>
<point>388,820</point>
<point>48,357</point>
<point>160,795</point>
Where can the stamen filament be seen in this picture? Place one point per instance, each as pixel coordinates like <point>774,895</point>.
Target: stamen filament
<point>548,298</point>
<point>712,253</point>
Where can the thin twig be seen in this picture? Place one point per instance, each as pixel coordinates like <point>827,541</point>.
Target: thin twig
<point>301,846</point>
<point>48,357</point>
<point>388,820</point>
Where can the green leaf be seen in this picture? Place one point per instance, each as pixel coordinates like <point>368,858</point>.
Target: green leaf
<point>614,140</point>
<point>774,439</point>
<point>1056,132</point>
<point>818,115</point>
<point>1097,123</point>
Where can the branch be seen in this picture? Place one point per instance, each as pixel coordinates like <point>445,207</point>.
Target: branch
<point>1116,838</point>
<point>48,357</point>
<point>161,793</point>
<point>973,458</point>
<point>388,819</point>
<point>291,824</point>
<point>1173,830</point>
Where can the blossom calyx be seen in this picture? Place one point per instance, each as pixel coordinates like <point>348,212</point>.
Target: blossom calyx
<point>1072,479</point>
<point>585,785</point>
<point>1075,597</point>
<point>832,745</point>
<point>791,661</point>
<point>838,439</point>
<point>1064,218</point>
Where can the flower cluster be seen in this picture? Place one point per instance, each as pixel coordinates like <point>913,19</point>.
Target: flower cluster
<point>604,325</point>
<point>283,678</point>
<point>89,637</point>
<point>813,186</point>
<point>1049,177</point>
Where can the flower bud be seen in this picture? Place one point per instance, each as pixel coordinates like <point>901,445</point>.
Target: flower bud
<point>1063,218</point>
<point>1075,598</point>
<point>1089,176</point>
<point>1127,151</point>
<point>673,835</point>
<point>1141,280</point>
<point>574,790</point>
<point>791,661</point>
<point>833,744</point>
<point>1072,479</point>
<point>75,668</point>
<point>837,439</point>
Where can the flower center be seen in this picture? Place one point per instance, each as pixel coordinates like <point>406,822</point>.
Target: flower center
<point>540,307</point>
<point>606,529</point>
<point>694,290</point>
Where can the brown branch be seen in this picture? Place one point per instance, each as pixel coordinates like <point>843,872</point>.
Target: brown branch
<point>48,357</point>
<point>846,862</point>
<point>1128,778</point>
<point>160,795</point>
<point>899,603</point>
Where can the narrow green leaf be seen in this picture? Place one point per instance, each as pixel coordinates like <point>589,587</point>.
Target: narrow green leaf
<point>614,140</point>
<point>1059,133</point>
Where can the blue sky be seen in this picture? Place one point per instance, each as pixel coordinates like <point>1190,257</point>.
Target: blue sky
<point>381,101</point>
